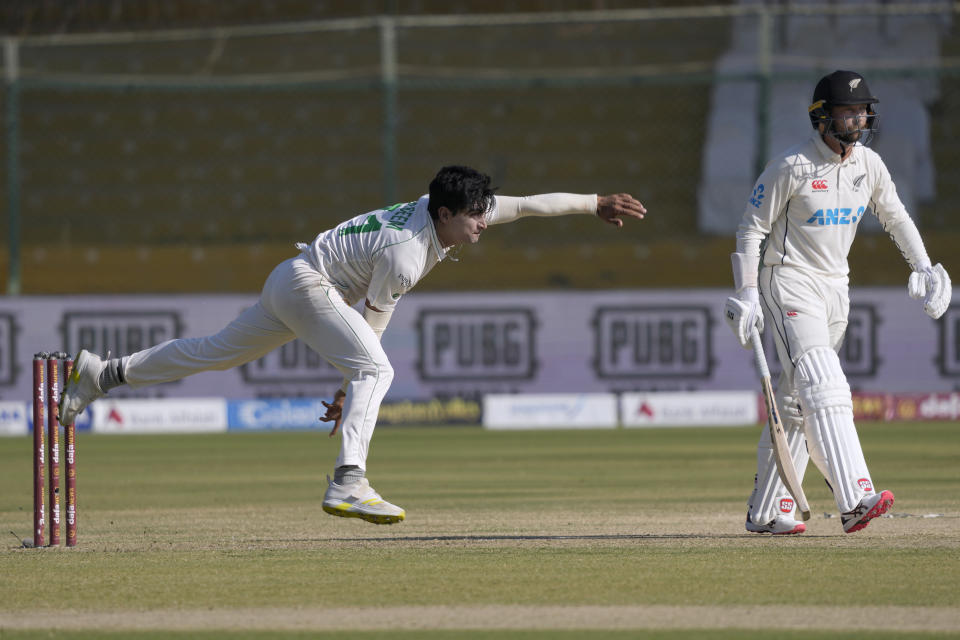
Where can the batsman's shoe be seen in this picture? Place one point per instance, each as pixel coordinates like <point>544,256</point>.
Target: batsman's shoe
<point>869,508</point>
<point>359,500</point>
<point>83,386</point>
<point>781,525</point>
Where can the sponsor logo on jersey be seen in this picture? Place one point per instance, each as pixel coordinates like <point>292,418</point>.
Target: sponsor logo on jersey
<point>865,484</point>
<point>840,215</point>
<point>757,198</point>
<point>406,283</point>
<point>786,505</point>
<point>791,314</point>
<point>819,185</point>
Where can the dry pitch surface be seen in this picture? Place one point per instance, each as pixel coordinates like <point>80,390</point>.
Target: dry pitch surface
<point>595,533</point>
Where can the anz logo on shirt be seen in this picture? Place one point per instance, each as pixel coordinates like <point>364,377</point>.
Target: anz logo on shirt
<point>757,198</point>
<point>841,215</point>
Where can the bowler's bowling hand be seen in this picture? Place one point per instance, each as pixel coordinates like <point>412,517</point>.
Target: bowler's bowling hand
<point>611,208</point>
<point>334,411</point>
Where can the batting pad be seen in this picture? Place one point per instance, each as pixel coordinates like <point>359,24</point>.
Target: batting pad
<point>770,497</point>
<point>828,423</point>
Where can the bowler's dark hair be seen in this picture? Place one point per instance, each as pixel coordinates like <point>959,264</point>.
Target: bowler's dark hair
<point>457,188</point>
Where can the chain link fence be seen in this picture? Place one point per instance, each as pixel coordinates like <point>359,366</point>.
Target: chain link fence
<point>193,160</point>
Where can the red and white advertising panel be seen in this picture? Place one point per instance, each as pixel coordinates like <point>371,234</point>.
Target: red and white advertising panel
<point>701,409</point>
<point>186,415</point>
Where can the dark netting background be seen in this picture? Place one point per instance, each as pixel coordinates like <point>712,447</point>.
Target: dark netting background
<point>193,161</point>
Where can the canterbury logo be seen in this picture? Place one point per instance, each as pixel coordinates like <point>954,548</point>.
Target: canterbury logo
<point>854,84</point>
<point>819,185</point>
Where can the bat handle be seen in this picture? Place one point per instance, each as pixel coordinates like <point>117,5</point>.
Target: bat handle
<point>759,358</point>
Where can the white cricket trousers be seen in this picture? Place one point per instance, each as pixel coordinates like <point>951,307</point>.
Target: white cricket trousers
<point>807,315</point>
<point>297,301</point>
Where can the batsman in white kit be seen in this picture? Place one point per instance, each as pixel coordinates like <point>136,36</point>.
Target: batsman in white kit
<point>807,204</point>
<point>375,257</point>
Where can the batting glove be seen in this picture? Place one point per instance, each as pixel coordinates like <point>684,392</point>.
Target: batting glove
<point>743,313</point>
<point>933,285</point>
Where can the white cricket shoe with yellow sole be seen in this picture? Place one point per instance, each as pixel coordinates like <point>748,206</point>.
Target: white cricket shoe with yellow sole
<point>82,387</point>
<point>359,500</point>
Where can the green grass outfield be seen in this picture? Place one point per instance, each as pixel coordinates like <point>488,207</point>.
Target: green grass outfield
<point>540,534</point>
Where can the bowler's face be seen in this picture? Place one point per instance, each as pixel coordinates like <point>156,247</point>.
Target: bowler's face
<point>463,228</point>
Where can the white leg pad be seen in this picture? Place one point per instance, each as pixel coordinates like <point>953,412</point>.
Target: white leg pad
<point>770,497</point>
<point>828,423</point>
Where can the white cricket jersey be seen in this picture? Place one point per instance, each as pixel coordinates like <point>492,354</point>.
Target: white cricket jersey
<point>382,254</point>
<point>809,203</point>
<point>378,255</point>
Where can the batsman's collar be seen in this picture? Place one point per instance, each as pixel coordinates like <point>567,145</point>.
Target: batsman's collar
<point>829,154</point>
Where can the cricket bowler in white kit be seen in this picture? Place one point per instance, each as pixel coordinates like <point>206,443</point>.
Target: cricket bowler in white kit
<point>375,257</point>
<point>807,204</point>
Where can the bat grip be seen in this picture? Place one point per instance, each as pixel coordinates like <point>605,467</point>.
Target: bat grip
<point>759,358</point>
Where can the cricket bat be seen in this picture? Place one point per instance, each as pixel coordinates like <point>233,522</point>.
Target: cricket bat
<point>781,451</point>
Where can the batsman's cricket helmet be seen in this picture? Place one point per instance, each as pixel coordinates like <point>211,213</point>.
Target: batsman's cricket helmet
<point>839,88</point>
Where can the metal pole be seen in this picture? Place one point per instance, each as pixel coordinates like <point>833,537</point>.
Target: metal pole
<point>12,80</point>
<point>388,80</point>
<point>764,74</point>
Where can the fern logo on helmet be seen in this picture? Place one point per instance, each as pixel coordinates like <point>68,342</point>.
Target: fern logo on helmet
<point>854,84</point>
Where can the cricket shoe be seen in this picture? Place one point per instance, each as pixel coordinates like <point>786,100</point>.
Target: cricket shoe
<point>359,500</point>
<point>869,508</point>
<point>781,525</point>
<point>82,387</point>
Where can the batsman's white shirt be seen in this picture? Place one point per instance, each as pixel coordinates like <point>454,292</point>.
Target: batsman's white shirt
<point>810,203</point>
